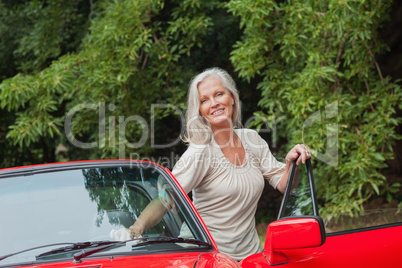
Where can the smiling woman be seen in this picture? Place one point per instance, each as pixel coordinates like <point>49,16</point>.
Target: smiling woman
<point>224,166</point>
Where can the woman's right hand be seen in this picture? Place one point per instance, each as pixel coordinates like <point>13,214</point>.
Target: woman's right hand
<point>149,217</point>
<point>136,230</point>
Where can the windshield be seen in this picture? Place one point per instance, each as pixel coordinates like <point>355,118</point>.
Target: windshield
<point>85,205</point>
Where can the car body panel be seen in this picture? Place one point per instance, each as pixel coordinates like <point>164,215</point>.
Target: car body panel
<point>371,248</point>
<point>184,260</point>
<point>180,260</point>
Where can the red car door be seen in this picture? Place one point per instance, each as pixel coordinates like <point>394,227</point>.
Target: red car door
<point>299,239</point>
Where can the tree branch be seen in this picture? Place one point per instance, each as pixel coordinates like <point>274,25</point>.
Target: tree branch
<point>376,64</point>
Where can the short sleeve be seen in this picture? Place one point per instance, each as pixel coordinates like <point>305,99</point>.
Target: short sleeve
<point>192,167</point>
<point>271,169</point>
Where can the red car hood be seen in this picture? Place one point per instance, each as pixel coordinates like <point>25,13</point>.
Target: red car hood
<point>182,260</point>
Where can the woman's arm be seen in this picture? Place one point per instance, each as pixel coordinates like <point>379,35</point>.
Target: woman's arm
<point>149,217</point>
<point>299,152</point>
<point>284,179</point>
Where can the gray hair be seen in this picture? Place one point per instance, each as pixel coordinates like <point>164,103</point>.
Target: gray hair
<point>198,131</point>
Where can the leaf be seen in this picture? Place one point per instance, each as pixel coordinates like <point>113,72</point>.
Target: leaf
<point>375,187</point>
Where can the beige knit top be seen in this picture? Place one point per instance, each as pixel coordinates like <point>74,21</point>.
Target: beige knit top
<point>226,195</point>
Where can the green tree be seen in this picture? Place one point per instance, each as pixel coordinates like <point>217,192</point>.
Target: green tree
<point>128,58</point>
<point>33,33</point>
<point>317,60</point>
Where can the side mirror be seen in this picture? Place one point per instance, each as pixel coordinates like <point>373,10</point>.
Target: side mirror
<point>292,233</point>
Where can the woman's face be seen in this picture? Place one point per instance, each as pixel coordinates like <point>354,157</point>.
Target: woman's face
<point>216,103</point>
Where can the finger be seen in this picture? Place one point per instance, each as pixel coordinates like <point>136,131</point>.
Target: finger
<point>292,155</point>
<point>299,153</point>
<point>308,153</point>
<point>299,149</point>
<point>132,233</point>
<point>301,158</point>
<point>303,154</point>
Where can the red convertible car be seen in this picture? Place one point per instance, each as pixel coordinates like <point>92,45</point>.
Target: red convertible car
<point>75,214</point>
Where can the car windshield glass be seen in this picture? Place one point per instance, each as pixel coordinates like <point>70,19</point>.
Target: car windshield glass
<point>84,205</point>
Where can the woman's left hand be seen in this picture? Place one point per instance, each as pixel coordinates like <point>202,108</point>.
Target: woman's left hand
<point>299,152</point>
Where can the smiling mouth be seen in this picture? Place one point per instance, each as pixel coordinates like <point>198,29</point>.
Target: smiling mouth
<point>218,112</point>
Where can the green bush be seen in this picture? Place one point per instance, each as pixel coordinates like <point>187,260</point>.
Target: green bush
<point>318,70</point>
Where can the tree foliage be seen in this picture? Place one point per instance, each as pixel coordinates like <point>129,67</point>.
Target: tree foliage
<point>128,60</point>
<point>317,62</point>
<point>33,33</point>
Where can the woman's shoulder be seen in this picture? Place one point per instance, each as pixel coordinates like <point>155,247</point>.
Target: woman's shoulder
<point>195,157</point>
<point>246,131</point>
<point>249,135</point>
<point>197,150</point>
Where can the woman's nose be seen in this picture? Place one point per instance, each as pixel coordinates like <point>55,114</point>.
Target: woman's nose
<point>214,103</point>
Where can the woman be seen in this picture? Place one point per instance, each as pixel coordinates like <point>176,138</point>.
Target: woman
<point>224,167</point>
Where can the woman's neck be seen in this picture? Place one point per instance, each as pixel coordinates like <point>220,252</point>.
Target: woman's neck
<point>225,137</point>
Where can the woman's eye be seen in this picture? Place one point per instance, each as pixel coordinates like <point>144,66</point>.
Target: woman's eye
<point>219,94</point>
<point>202,101</point>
